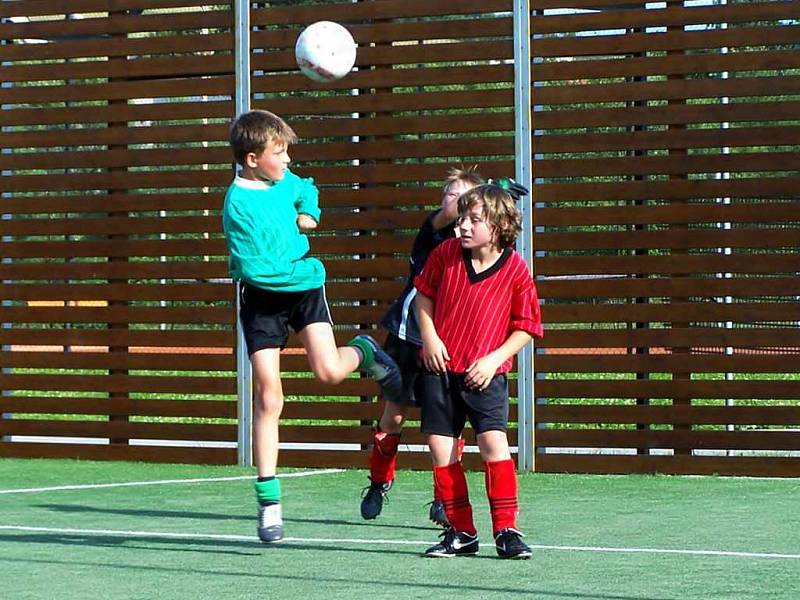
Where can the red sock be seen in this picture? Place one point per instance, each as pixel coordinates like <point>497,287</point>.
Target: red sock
<point>501,488</point>
<point>450,486</point>
<point>384,457</point>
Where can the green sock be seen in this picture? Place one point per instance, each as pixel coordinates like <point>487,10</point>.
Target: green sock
<point>268,492</point>
<point>367,355</point>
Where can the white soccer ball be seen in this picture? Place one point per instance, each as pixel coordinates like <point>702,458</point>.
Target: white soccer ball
<point>325,51</point>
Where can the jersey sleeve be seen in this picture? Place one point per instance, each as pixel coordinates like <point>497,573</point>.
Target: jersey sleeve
<point>427,282</point>
<point>307,196</point>
<point>525,310</point>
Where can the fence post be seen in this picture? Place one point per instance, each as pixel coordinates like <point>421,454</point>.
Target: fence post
<point>523,168</point>
<point>241,18</point>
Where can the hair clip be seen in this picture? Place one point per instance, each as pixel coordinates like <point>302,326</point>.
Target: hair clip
<point>512,187</point>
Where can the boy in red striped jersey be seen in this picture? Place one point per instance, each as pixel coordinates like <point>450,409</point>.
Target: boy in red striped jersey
<point>477,307</point>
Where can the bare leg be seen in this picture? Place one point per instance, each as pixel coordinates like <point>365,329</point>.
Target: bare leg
<point>328,363</point>
<point>444,450</point>
<point>267,406</point>
<point>394,415</point>
<point>493,446</point>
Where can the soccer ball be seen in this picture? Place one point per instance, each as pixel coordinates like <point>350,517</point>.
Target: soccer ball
<point>325,51</point>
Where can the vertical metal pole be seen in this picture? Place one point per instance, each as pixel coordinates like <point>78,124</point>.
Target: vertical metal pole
<point>244,388</point>
<point>524,175</point>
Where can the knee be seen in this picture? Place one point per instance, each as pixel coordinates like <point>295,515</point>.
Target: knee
<point>267,403</point>
<point>325,374</point>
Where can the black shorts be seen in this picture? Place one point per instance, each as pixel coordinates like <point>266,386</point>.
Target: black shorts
<point>447,404</point>
<point>266,315</point>
<point>406,355</point>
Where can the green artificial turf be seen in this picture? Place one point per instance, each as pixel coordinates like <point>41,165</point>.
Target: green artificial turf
<point>594,537</point>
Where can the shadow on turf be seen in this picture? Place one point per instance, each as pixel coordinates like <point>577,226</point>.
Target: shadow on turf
<point>450,588</point>
<point>189,545</point>
<point>74,508</point>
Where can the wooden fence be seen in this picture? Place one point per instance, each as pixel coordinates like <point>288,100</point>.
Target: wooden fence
<point>666,220</point>
<point>667,236</point>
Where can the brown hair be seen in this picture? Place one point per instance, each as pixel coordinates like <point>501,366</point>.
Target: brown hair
<point>252,131</point>
<point>499,209</point>
<point>467,175</point>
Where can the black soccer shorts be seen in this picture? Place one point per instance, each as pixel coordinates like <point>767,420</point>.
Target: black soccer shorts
<point>447,404</point>
<point>267,315</point>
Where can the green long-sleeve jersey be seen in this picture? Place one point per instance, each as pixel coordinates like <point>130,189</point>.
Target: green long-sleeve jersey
<point>266,248</point>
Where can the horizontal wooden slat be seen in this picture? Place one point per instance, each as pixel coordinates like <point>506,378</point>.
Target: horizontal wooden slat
<point>621,265</point>
<point>672,89</point>
<point>633,43</point>
<point>118,314</point>
<point>168,384</point>
<point>170,361</point>
<point>119,429</point>
<point>118,337</point>
<point>665,363</point>
<point>675,189</point>
<point>677,388</point>
<point>771,466</point>
<point>675,238</point>
<point>670,64</point>
<point>118,291</point>
<point>670,287</point>
<point>745,162</point>
<point>116,270</point>
<point>381,173</point>
<point>707,212</point>
<point>386,9</point>
<point>709,112</point>
<point>120,23</point>
<point>681,139</point>
<point>219,409</point>
<point>676,415</point>
<point>168,454</point>
<point>671,15</point>
<point>633,312</point>
<point>677,439</point>
<point>673,337</point>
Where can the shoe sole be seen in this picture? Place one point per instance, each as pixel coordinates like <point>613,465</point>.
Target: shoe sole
<point>521,556</point>
<point>445,555</point>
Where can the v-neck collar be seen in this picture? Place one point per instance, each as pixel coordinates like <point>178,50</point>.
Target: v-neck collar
<point>476,277</point>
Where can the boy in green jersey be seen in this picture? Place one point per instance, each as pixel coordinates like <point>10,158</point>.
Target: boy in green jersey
<point>267,212</point>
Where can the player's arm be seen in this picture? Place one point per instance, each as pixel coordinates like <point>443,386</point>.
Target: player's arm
<point>306,203</point>
<point>434,352</point>
<point>480,373</point>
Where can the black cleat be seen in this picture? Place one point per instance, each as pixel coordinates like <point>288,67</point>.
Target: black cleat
<point>372,499</point>
<point>454,543</point>
<point>509,544</point>
<point>438,515</point>
<point>382,368</point>
<point>270,523</point>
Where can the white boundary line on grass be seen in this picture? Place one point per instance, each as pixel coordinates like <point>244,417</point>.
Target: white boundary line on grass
<point>92,486</point>
<point>254,539</point>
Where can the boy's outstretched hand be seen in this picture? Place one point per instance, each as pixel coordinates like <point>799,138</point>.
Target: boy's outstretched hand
<point>306,222</point>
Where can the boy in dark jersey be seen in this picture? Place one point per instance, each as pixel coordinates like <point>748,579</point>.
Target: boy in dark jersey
<point>403,344</point>
<point>477,307</point>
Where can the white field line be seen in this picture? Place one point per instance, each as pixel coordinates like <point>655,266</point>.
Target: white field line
<point>94,486</point>
<point>254,539</point>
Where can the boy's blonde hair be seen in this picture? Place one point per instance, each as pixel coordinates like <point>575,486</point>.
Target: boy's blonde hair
<point>468,175</point>
<point>253,130</point>
<point>499,209</point>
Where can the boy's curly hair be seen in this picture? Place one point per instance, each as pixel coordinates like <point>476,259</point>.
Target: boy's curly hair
<point>499,209</point>
<point>253,130</point>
